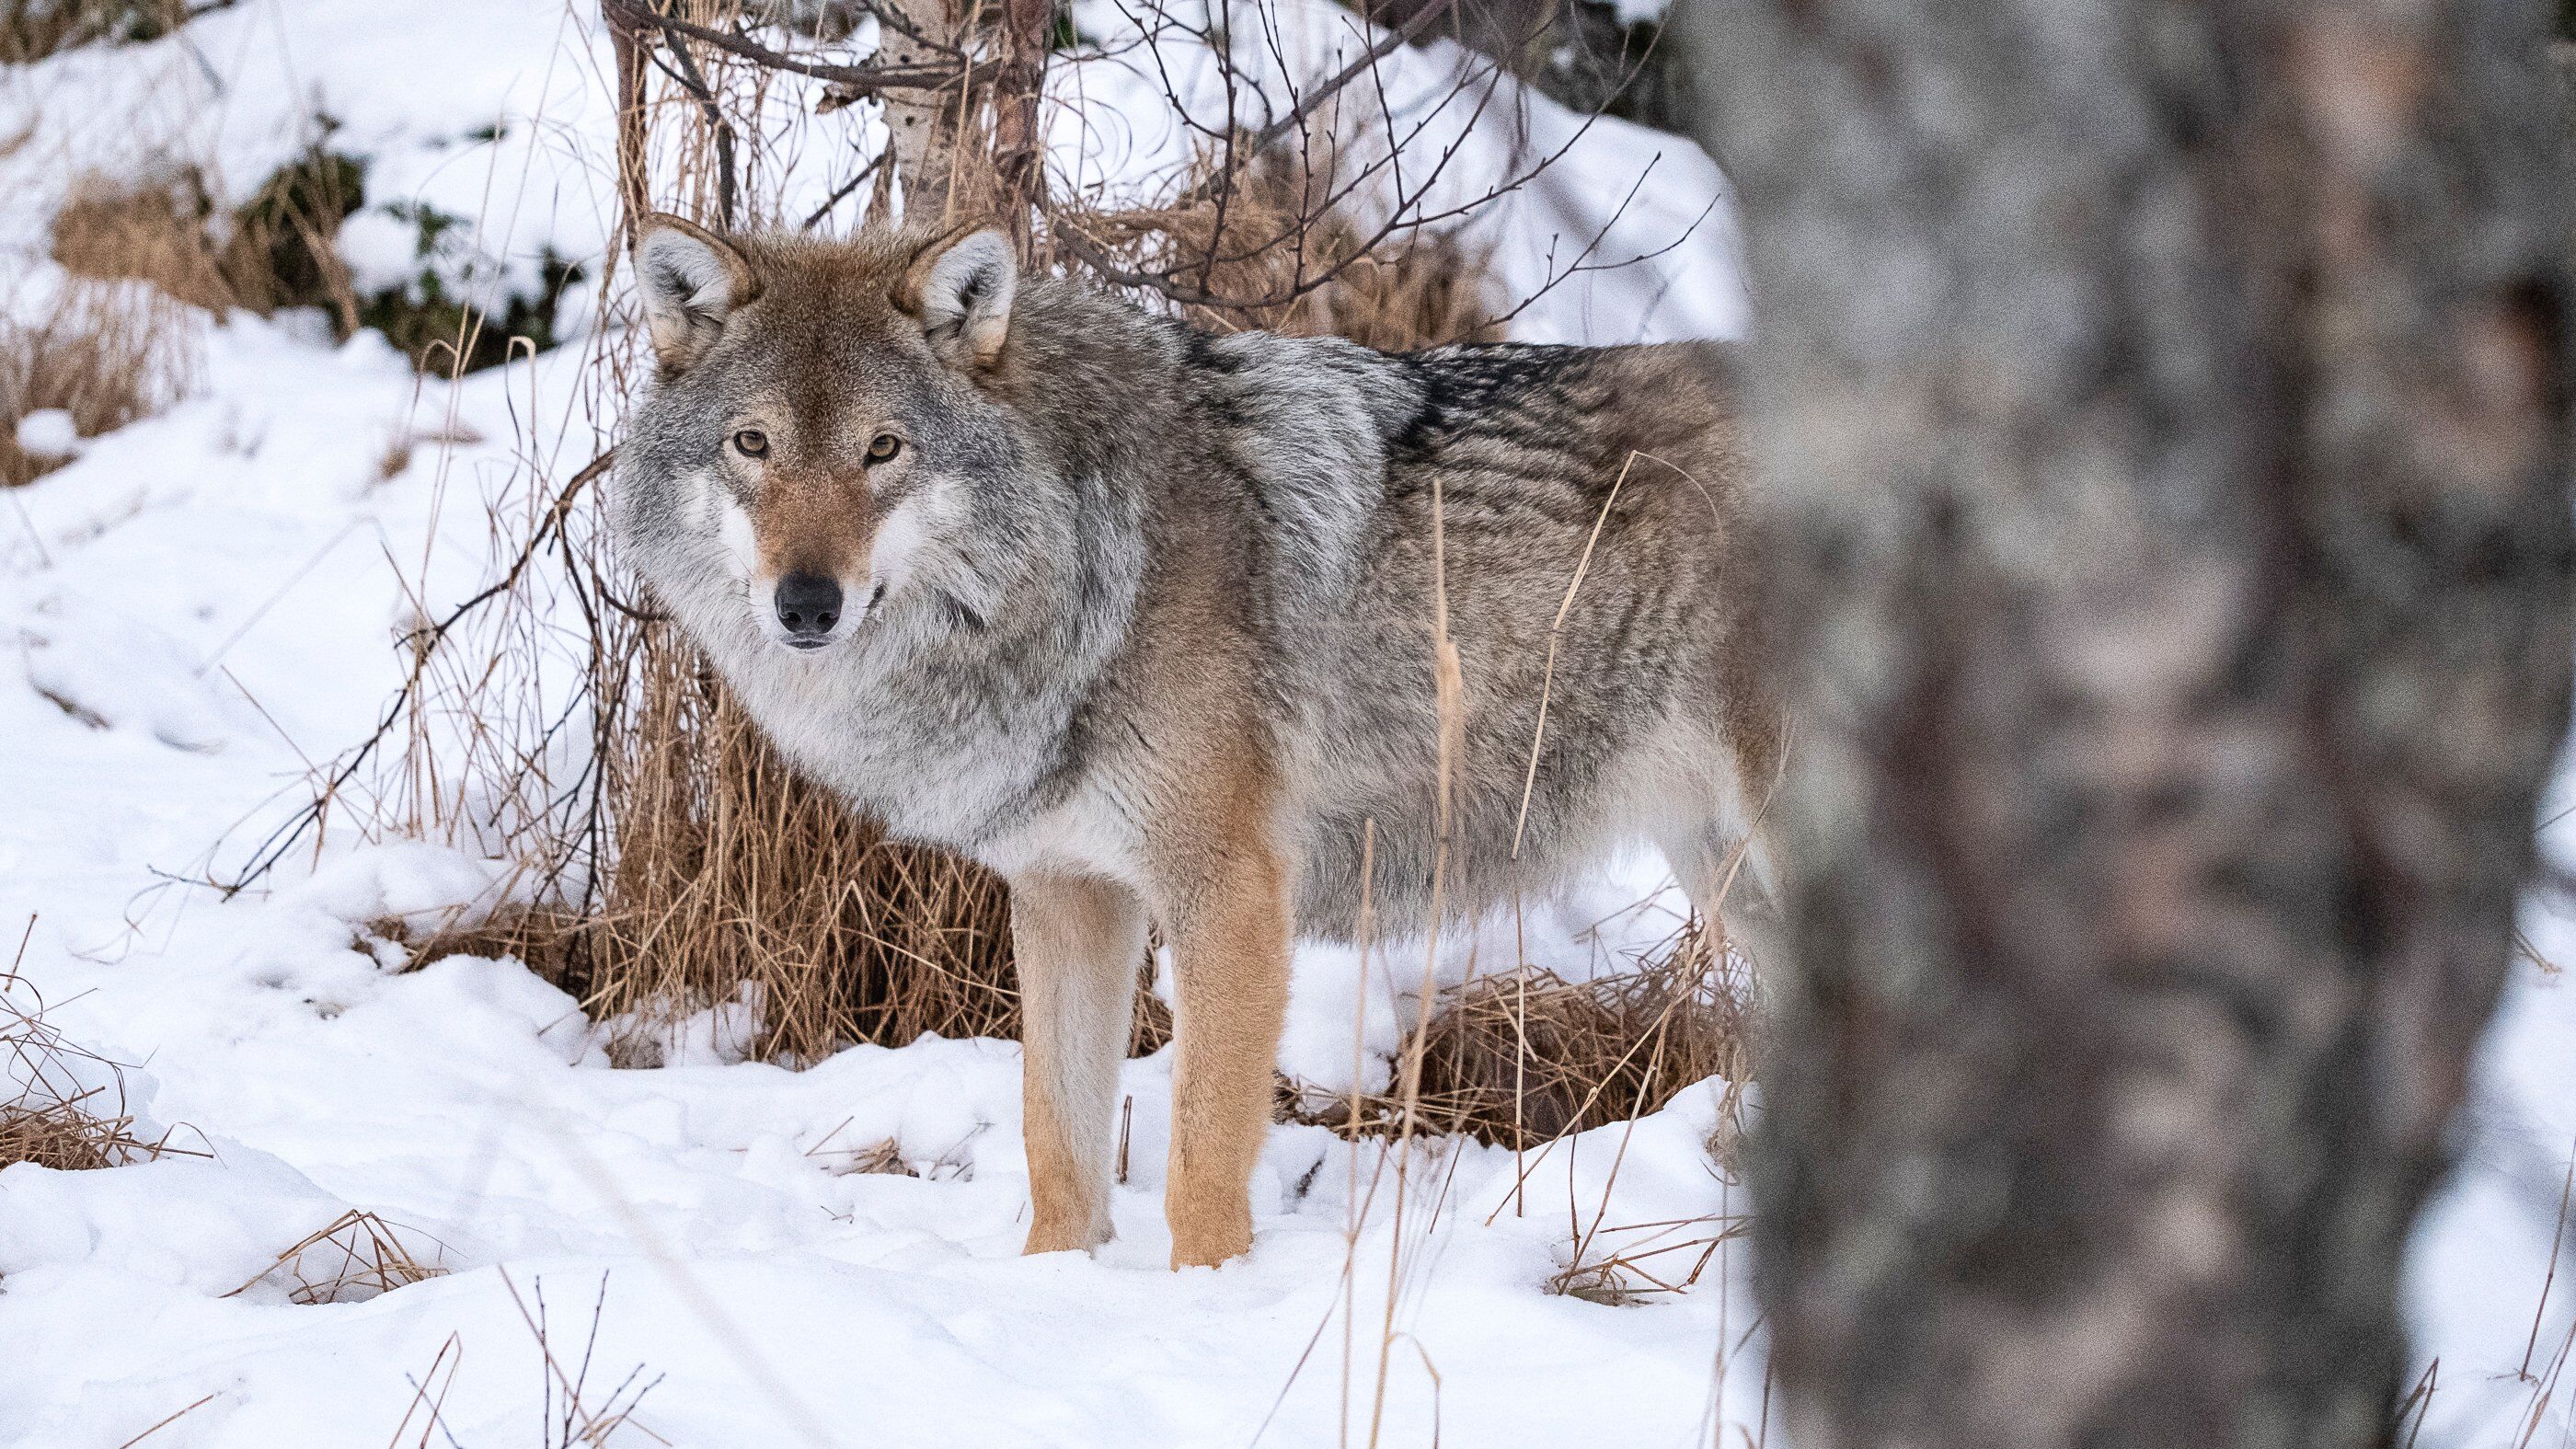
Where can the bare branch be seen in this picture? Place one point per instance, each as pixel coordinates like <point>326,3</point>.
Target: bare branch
<point>855,80</point>
<point>423,643</point>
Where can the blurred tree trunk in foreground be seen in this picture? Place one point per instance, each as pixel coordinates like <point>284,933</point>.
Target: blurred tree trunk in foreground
<point>2165,412</point>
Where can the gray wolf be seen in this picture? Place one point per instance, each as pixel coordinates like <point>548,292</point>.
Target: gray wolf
<point>1147,620</point>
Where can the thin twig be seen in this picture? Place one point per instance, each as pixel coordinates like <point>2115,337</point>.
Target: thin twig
<point>837,197</point>
<point>694,81</point>
<point>1393,41</point>
<point>423,644</point>
<point>166,1423</point>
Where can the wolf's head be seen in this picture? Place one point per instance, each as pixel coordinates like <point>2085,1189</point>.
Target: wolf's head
<point>815,431</point>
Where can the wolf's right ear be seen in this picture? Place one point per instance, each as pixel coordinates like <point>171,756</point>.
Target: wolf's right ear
<point>692,281</point>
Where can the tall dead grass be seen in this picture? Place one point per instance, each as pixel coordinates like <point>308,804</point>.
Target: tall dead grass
<point>146,231</point>
<point>106,354</point>
<point>113,345</point>
<point>278,249</point>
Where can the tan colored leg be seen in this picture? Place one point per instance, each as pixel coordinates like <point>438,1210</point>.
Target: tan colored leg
<point>1230,941</point>
<point>1079,942</point>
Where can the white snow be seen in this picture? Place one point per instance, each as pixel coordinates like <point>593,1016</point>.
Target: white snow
<point>49,433</point>
<point>197,609</point>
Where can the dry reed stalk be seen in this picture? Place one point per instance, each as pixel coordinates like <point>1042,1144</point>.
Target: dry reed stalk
<point>350,1259</point>
<point>566,1418</point>
<point>882,1158</point>
<point>1667,1261</point>
<point>105,353</point>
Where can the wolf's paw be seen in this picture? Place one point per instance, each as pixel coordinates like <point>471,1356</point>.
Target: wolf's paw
<point>1057,1237</point>
<point>1205,1240</point>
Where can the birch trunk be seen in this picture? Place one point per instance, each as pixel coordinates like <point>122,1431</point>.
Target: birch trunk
<point>2164,419</point>
<point>924,123</point>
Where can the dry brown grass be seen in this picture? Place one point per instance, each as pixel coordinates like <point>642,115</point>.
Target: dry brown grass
<point>279,249</point>
<point>66,1105</point>
<point>1640,1262</point>
<point>107,354</point>
<point>156,232</point>
<point>33,29</point>
<point>350,1259</point>
<point>111,352</point>
<point>1522,1057</point>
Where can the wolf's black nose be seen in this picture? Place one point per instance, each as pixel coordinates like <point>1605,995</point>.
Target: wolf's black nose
<point>808,604</point>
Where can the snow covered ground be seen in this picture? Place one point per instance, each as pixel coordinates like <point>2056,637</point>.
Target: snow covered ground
<point>206,603</point>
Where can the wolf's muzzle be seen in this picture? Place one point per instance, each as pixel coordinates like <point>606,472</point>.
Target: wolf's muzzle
<point>809,605</point>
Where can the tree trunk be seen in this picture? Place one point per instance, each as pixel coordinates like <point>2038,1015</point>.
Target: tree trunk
<point>2163,411</point>
<point>924,123</point>
<point>972,152</point>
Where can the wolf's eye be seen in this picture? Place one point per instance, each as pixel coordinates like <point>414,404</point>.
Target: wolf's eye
<point>883,446</point>
<point>751,443</point>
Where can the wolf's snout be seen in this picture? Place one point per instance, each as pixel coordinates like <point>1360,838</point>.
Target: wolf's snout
<point>809,605</point>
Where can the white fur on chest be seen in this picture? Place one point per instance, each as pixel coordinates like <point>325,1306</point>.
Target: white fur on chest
<point>819,712</point>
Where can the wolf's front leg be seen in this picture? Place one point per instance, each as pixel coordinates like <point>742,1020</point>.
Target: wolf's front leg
<point>1229,932</point>
<point>1079,941</point>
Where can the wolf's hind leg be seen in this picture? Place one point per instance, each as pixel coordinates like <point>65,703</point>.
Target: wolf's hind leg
<point>1729,880</point>
<point>1079,942</point>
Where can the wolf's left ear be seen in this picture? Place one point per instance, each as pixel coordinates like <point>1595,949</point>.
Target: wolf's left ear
<point>961,288</point>
<point>692,281</point>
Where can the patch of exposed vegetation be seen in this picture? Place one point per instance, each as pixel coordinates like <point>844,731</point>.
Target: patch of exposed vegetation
<point>30,30</point>
<point>279,249</point>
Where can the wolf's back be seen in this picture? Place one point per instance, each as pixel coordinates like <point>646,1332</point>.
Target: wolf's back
<point>1473,483</point>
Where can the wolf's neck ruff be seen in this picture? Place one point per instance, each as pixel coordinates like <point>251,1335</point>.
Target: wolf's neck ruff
<point>1147,626</point>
